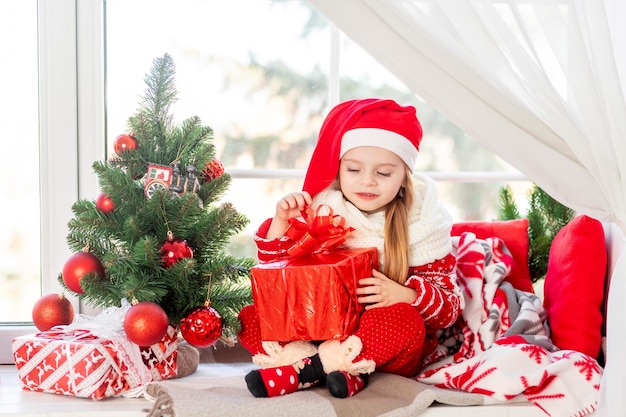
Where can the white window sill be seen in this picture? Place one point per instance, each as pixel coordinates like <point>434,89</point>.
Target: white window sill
<point>14,401</point>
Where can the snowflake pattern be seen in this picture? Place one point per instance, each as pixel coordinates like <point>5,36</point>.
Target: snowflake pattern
<point>535,352</point>
<point>587,367</point>
<point>467,380</point>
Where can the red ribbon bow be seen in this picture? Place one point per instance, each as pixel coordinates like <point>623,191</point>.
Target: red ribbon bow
<point>317,234</point>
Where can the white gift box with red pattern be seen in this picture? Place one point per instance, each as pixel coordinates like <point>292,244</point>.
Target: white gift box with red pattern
<point>162,357</point>
<point>77,362</point>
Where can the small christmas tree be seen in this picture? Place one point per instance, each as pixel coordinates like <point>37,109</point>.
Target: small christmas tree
<point>156,234</point>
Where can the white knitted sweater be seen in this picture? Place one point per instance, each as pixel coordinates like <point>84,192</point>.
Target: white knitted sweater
<point>429,223</point>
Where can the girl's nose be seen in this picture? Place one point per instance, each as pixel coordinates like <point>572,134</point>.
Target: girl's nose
<point>368,179</point>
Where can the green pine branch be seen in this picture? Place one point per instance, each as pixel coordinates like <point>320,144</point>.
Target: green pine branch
<point>546,217</point>
<point>159,95</point>
<point>508,208</point>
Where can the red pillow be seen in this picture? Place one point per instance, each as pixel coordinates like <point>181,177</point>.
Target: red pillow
<point>514,233</point>
<point>574,286</point>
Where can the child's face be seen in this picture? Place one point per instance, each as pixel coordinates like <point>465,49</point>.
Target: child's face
<point>370,177</point>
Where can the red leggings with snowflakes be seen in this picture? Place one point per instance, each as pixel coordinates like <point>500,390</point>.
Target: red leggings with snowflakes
<point>391,336</point>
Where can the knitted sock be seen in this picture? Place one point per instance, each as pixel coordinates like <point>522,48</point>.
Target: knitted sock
<point>341,384</point>
<point>286,379</point>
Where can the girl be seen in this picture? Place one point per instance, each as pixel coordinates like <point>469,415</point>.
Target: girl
<point>362,167</point>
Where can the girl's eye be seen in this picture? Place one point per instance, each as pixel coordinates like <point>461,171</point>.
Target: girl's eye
<point>352,170</point>
<point>384,174</point>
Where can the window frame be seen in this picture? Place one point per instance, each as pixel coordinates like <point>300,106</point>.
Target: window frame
<point>71,134</point>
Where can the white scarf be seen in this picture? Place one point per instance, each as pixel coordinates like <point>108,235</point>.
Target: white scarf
<point>429,223</point>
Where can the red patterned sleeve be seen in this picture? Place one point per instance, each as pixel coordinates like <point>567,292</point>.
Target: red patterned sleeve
<point>270,249</point>
<point>438,295</point>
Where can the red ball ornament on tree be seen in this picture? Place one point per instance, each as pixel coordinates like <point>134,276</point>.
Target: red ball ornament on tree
<point>104,203</point>
<point>123,143</point>
<point>212,170</point>
<point>201,327</point>
<point>79,265</point>
<point>52,310</point>
<point>173,250</point>
<point>145,323</point>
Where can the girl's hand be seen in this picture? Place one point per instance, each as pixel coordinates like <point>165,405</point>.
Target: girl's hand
<point>291,205</point>
<point>287,207</point>
<point>380,291</point>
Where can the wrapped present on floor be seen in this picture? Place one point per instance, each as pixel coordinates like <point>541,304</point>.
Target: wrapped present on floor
<point>311,295</point>
<point>162,357</point>
<point>79,362</point>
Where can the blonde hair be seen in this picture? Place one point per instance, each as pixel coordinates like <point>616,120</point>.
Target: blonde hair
<point>396,230</point>
<point>396,233</point>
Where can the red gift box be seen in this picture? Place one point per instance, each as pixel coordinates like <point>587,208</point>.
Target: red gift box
<point>311,297</point>
<point>76,362</point>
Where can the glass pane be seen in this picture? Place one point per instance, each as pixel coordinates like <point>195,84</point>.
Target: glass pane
<point>249,69</point>
<point>19,190</point>
<point>257,72</point>
<point>444,146</point>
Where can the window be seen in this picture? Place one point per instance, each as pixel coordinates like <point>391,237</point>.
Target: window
<point>19,190</point>
<point>49,39</point>
<point>261,73</point>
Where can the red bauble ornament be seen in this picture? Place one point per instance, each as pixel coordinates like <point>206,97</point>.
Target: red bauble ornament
<point>52,310</point>
<point>201,327</point>
<point>104,203</point>
<point>123,143</point>
<point>212,170</point>
<point>173,250</point>
<point>145,323</point>
<point>79,265</point>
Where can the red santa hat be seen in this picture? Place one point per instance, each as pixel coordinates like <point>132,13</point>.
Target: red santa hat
<point>363,122</point>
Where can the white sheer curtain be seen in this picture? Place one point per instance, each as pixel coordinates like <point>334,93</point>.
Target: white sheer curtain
<point>538,82</point>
